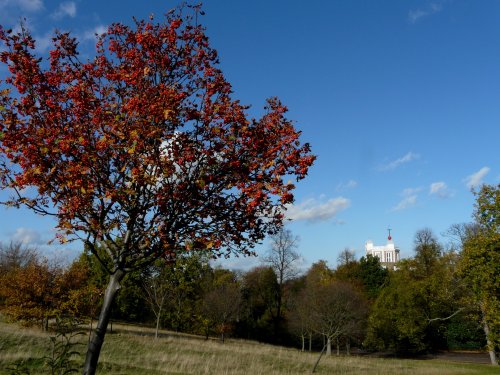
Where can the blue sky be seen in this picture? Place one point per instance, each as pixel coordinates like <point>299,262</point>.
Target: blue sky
<point>399,100</point>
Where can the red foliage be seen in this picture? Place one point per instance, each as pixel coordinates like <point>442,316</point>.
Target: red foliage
<point>142,147</point>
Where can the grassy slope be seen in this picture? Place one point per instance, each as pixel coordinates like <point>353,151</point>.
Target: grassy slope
<point>127,354</point>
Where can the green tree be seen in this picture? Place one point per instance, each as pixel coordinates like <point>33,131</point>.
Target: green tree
<point>184,278</point>
<point>260,290</point>
<point>319,273</point>
<point>367,274</point>
<point>427,251</point>
<point>221,302</point>
<point>412,312</point>
<point>373,276</point>
<point>480,264</point>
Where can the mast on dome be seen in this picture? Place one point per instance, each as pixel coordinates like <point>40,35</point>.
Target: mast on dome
<point>389,237</point>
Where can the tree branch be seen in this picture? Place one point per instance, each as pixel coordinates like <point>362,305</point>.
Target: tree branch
<point>448,317</point>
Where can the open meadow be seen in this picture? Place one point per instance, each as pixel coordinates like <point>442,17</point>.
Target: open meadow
<point>128,352</point>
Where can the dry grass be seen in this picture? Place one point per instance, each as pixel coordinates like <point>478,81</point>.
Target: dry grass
<point>127,353</point>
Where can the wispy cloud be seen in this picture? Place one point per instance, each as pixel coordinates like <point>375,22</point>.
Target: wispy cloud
<point>44,42</point>
<point>476,179</point>
<point>410,156</point>
<point>90,34</point>
<point>27,236</point>
<point>351,184</point>
<point>440,189</point>
<point>26,5</point>
<point>313,210</point>
<point>409,199</point>
<point>66,9</point>
<point>415,14</point>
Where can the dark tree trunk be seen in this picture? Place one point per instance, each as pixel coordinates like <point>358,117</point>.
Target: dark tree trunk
<point>319,359</point>
<point>97,338</point>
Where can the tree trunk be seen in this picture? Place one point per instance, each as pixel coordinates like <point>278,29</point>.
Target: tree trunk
<point>157,323</point>
<point>489,343</point>
<point>328,346</point>
<point>303,342</point>
<point>97,339</point>
<point>348,346</point>
<point>310,341</point>
<point>338,346</point>
<point>319,358</point>
<point>91,327</point>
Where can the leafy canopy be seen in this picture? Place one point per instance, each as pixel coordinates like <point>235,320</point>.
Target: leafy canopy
<point>142,149</point>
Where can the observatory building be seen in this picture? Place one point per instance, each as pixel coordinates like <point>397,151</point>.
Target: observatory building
<point>388,254</point>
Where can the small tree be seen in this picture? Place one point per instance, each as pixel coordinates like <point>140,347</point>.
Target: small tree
<point>337,310</point>
<point>33,294</point>
<point>184,280</point>
<point>282,256</point>
<point>15,255</point>
<point>427,251</point>
<point>40,291</point>
<point>222,303</point>
<point>299,319</point>
<point>142,150</point>
<point>260,291</point>
<point>346,256</point>
<point>157,289</point>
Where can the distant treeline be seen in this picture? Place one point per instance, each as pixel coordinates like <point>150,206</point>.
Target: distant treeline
<point>425,304</point>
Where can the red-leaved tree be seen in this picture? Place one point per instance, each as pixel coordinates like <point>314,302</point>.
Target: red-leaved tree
<point>142,151</point>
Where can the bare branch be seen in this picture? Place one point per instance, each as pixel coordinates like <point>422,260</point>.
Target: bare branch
<point>448,317</point>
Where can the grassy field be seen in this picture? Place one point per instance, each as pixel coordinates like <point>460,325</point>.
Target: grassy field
<point>138,353</point>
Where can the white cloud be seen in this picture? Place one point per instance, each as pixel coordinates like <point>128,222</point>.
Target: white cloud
<point>26,5</point>
<point>313,211</point>
<point>43,42</point>
<point>410,196</point>
<point>405,203</point>
<point>415,14</point>
<point>351,184</point>
<point>27,236</point>
<point>476,179</point>
<point>29,5</point>
<point>410,156</point>
<point>440,189</point>
<point>91,33</point>
<point>67,8</point>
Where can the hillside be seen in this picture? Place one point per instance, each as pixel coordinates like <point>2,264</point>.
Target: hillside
<point>135,352</point>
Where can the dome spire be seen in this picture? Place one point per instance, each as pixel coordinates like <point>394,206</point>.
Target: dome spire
<point>389,237</point>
